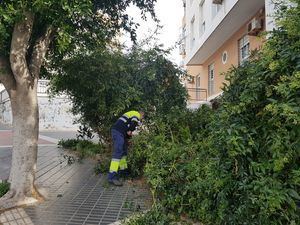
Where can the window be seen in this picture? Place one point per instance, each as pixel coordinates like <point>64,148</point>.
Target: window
<point>201,19</point>
<point>203,27</point>
<point>192,31</point>
<point>211,77</point>
<point>244,49</point>
<point>215,9</point>
<point>224,57</point>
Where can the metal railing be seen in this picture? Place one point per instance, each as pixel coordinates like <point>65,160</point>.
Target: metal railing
<point>197,94</point>
<point>3,96</point>
<point>43,86</point>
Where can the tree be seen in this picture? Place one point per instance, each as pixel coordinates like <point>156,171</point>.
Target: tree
<point>106,83</point>
<point>30,33</point>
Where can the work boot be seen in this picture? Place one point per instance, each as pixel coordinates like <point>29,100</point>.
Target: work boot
<point>124,173</point>
<point>113,178</point>
<point>115,182</point>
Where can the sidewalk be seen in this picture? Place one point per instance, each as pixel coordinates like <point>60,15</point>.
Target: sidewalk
<point>75,194</point>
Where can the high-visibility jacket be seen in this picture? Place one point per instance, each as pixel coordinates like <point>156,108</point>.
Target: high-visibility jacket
<point>127,122</point>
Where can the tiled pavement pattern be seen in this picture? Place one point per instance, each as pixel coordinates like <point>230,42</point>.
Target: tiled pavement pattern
<point>15,216</point>
<point>76,195</point>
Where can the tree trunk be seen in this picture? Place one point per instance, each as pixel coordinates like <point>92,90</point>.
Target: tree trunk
<point>24,154</point>
<point>25,137</point>
<point>20,78</point>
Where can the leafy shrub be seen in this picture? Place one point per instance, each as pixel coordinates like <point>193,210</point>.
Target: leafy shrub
<point>114,83</point>
<point>68,144</point>
<point>4,188</point>
<point>138,154</point>
<point>156,216</point>
<point>181,126</point>
<point>239,165</point>
<point>102,165</point>
<point>85,132</point>
<point>85,148</point>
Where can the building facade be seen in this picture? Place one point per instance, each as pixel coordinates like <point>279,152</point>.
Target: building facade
<point>216,35</point>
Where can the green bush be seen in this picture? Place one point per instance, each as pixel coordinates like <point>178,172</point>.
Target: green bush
<point>180,126</point>
<point>138,154</point>
<point>114,83</point>
<point>239,164</point>
<point>156,216</point>
<point>68,144</point>
<point>102,165</point>
<point>4,188</point>
<point>85,148</point>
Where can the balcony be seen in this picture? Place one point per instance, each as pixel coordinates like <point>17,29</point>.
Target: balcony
<point>197,94</point>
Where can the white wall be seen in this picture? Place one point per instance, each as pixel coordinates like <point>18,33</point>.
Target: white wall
<point>193,10</point>
<point>1,87</point>
<point>270,10</point>
<point>54,113</point>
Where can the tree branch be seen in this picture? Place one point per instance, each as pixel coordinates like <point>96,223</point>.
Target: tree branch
<point>6,75</point>
<point>39,51</point>
<point>19,46</point>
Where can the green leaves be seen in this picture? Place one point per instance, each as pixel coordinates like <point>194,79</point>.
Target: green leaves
<point>241,163</point>
<point>85,24</point>
<point>4,188</point>
<point>105,83</point>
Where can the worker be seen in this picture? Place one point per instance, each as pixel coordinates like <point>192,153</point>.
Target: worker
<point>121,132</point>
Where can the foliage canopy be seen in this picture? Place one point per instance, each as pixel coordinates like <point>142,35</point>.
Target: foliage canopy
<point>82,24</point>
<point>106,83</point>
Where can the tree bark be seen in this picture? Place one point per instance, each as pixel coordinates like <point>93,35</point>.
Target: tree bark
<point>25,139</point>
<point>21,82</point>
<point>25,114</point>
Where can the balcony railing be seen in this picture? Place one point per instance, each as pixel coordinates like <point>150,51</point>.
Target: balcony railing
<point>197,94</point>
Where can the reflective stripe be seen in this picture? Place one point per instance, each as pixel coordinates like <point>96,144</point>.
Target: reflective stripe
<point>124,120</point>
<point>114,165</point>
<point>135,119</point>
<point>125,116</point>
<point>123,163</point>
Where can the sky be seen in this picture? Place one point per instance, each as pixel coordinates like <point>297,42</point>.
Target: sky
<point>170,13</point>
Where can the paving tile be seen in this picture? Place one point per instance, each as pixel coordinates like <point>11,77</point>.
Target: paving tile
<point>76,195</point>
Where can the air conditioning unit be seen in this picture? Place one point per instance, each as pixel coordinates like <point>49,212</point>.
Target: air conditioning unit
<point>219,2</point>
<point>255,26</point>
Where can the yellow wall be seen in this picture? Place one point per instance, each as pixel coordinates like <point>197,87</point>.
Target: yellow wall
<point>231,46</point>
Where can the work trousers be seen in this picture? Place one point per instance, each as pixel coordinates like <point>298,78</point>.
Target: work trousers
<point>118,162</point>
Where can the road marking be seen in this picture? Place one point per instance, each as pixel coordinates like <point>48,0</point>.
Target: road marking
<point>41,145</point>
<point>53,140</point>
